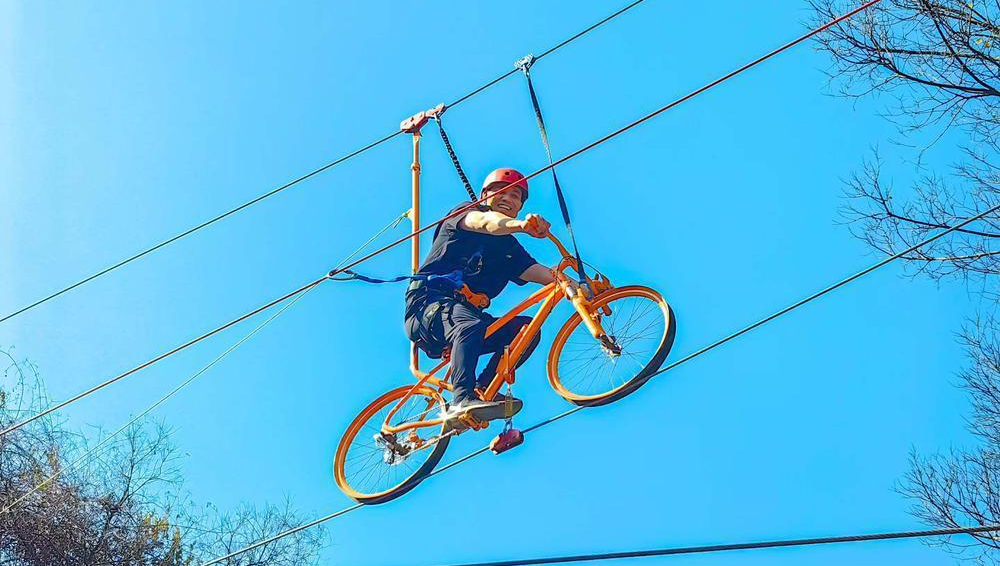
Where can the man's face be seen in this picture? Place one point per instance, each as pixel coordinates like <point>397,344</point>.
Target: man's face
<point>508,202</point>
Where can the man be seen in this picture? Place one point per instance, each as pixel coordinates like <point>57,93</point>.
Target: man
<point>478,244</point>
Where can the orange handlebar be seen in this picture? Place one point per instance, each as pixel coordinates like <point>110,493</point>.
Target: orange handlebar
<point>559,246</point>
<point>562,249</point>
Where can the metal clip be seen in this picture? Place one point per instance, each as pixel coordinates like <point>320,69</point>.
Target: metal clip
<point>508,406</point>
<point>414,123</point>
<point>524,63</point>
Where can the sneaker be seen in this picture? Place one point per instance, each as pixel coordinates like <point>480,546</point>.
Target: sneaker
<point>499,397</point>
<point>511,410</point>
<point>479,410</point>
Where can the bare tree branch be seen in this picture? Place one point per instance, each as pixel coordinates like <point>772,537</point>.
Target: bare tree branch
<point>125,508</point>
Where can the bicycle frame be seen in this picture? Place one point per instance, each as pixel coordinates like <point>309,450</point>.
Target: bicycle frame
<point>549,295</point>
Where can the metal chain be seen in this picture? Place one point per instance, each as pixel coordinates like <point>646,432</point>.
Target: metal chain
<point>454,158</point>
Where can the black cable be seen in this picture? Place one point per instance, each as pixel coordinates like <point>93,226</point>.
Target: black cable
<point>296,181</point>
<point>205,224</point>
<point>481,89</point>
<point>739,546</point>
<point>549,51</point>
<point>525,66</point>
<point>687,358</point>
<point>566,42</point>
<point>559,161</point>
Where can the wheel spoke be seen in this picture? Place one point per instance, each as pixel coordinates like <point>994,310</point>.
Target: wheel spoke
<point>585,368</point>
<point>371,466</point>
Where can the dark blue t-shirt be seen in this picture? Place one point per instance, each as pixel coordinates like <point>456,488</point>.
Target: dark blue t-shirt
<point>503,259</point>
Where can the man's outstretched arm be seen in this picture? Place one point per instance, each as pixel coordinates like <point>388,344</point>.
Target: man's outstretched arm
<point>542,275</point>
<point>499,224</point>
<point>538,273</point>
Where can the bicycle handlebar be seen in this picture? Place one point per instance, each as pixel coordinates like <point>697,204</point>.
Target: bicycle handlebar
<point>559,246</point>
<point>567,259</point>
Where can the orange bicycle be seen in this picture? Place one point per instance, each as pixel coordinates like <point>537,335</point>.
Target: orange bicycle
<point>614,342</point>
<point>617,338</point>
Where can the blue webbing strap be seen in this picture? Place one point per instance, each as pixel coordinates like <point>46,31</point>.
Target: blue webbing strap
<point>524,65</point>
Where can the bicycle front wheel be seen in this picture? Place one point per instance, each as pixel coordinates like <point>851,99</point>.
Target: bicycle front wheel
<point>640,331</point>
<point>374,467</point>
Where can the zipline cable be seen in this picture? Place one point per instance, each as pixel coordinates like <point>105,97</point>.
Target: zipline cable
<point>169,353</point>
<point>408,237</point>
<point>685,359</point>
<point>187,344</point>
<point>92,451</point>
<point>204,224</point>
<point>300,179</point>
<point>550,50</point>
<point>741,546</point>
<point>333,515</point>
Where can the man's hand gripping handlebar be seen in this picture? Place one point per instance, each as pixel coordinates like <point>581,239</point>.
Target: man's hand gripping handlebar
<point>536,226</point>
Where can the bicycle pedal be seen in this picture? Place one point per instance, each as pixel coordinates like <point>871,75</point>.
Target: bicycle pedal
<point>506,440</point>
<point>472,422</point>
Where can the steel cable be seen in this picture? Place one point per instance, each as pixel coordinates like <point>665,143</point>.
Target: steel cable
<point>296,181</point>
<point>741,546</point>
<point>395,243</point>
<point>687,358</point>
<point>89,453</point>
<point>187,344</point>
<point>705,349</point>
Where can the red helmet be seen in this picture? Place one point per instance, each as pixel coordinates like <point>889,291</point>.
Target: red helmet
<point>507,176</point>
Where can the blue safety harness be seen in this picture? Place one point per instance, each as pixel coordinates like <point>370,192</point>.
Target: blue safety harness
<point>441,291</point>
<point>454,279</point>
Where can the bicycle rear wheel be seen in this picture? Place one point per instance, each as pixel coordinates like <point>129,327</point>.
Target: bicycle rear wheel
<point>640,329</point>
<point>372,467</point>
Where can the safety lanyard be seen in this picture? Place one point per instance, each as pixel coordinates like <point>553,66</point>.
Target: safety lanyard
<point>454,158</point>
<point>524,65</point>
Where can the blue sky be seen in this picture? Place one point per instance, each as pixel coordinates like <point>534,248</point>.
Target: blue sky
<point>124,123</point>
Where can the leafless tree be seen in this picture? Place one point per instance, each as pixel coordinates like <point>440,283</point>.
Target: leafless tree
<point>938,59</point>
<point>888,226</point>
<point>937,64</point>
<point>124,506</point>
<point>962,488</point>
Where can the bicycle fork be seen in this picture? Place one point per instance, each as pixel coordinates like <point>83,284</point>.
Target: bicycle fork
<point>592,320</point>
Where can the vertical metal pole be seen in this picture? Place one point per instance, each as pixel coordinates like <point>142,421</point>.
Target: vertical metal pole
<point>415,240</point>
<point>415,213</point>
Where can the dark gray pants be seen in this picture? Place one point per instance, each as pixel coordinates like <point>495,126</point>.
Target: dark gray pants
<point>464,328</point>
